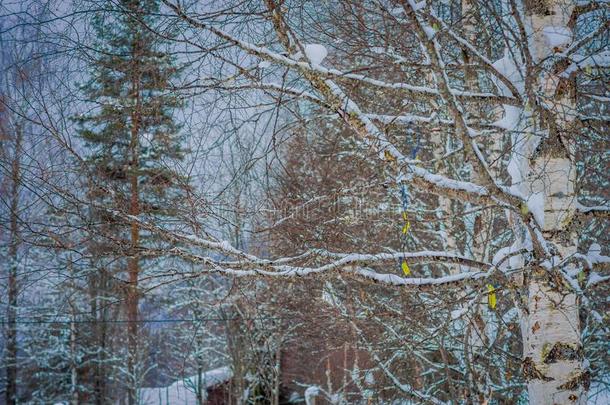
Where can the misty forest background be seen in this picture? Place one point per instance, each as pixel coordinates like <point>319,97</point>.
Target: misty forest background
<point>277,201</point>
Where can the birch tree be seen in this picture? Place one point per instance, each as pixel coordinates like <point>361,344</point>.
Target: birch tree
<point>524,59</point>
<point>479,129</point>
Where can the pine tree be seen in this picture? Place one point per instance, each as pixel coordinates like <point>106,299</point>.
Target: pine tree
<point>134,144</point>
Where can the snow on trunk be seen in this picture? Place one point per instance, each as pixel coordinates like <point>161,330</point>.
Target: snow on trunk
<point>552,348</point>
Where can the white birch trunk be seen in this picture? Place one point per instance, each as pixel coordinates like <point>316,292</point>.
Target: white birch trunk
<point>552,346</point>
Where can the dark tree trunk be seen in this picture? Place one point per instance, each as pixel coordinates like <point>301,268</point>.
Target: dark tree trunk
<point>13,292</point>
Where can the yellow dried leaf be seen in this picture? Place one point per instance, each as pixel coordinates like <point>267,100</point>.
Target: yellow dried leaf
<point>524,209</point>
<point>388,156</point>
<point>588,70</point>
<point>491,296</point>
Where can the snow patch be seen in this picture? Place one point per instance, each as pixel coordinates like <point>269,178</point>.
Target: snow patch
<point>595,249</point>
<point>523,142</point>
<point>456,314</point>
<point>535,203</point>
<point>430,32</point>
<point>513,262</point>
<point>419,6</point>
<point>557,36</point>
<point>491,329</point>
<point>510,120</point>
<point>510,69</point>
<point>183,391</point>
<point>511,315</point>
<point>553,262</point>
<point>601,59</point>
<point>315,53</point>
<point>311,393</point>
<point>594,254</point>
<point>596,278</point>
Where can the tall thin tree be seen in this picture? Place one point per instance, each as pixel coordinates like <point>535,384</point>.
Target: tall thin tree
<point>133,141</point>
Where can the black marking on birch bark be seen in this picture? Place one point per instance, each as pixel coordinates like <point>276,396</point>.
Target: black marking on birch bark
<point>540,7</point>
<point>581,379</point>
<point>551,146</point>
<point>531,372</point>
<point>561,351</point>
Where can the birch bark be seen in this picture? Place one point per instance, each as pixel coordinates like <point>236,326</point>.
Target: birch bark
<point>552,347</point>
